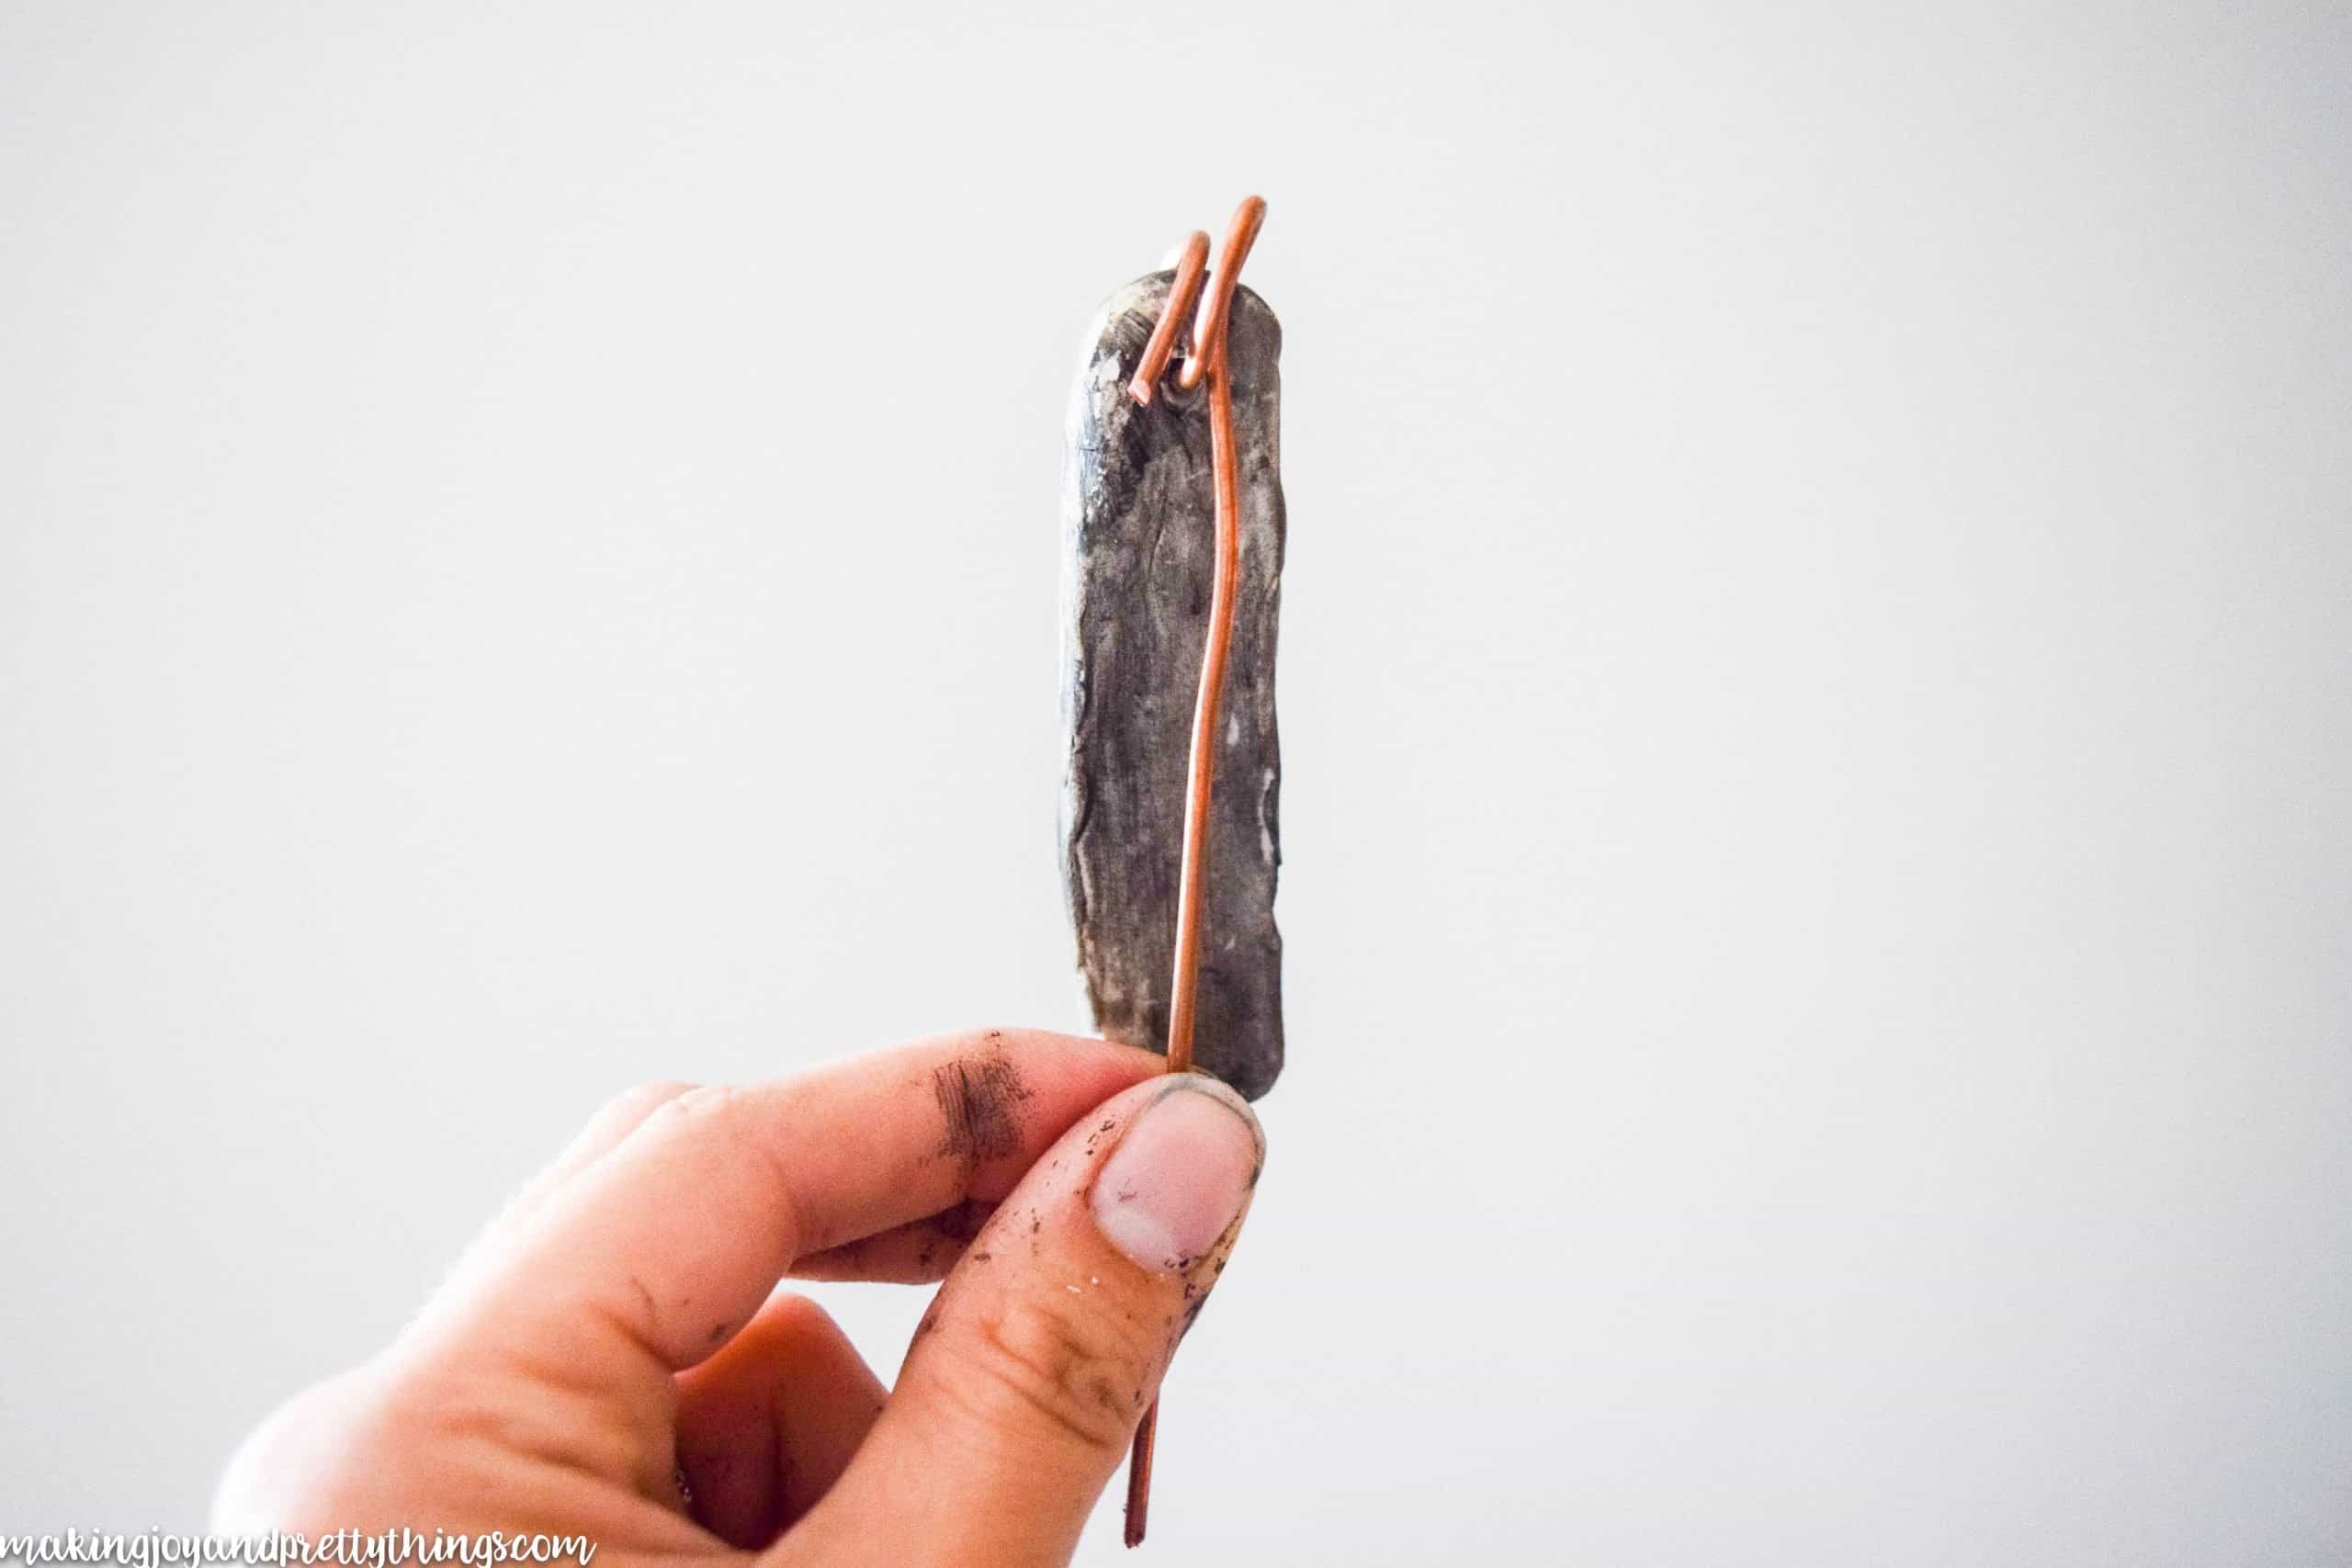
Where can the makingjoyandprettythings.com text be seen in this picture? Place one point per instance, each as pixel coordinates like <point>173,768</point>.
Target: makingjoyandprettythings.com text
<point>345,1549</point>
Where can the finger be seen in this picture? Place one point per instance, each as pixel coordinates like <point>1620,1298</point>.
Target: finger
<point>613,1123</point>
<point>653,1257</point>
<point>603,1132</point>
<point>766,1425</point>
<point>917,1254</point>
<point>1051,1339</point>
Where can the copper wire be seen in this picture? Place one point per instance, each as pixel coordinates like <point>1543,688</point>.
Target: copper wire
<point>1189,268</point>
<point>1207,361</point>
<point>1216,305</point>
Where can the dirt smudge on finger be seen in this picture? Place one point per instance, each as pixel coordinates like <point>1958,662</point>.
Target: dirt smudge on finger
<point>980,1096</point>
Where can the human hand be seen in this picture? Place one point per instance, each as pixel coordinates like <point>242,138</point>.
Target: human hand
<point>618,1331</point>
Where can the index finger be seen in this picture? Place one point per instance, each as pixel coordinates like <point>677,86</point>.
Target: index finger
<point>667,1245</point>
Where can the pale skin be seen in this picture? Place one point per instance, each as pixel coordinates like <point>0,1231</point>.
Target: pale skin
<point>623,1325</point>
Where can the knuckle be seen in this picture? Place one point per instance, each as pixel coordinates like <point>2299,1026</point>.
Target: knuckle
<point>702,1101</point>
<point>732,1118</point>
<point>302,1461</point>
<point>647,1097</point>
<point>697,1111</point>
<point>1079,1373</point>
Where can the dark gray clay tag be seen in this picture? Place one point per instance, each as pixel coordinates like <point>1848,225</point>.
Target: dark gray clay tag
<point>1138,554</point>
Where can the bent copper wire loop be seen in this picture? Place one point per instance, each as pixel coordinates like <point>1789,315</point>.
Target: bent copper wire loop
<point>1206,362</point>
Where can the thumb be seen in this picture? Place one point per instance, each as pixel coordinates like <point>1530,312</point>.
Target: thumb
<point>1047,1342</point>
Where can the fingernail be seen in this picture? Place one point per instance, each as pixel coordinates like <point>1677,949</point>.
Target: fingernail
<point>1176,1181</point>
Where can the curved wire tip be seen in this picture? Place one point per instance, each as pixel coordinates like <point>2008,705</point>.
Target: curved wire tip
<point>1189,269</point>
<point>1216,304</point>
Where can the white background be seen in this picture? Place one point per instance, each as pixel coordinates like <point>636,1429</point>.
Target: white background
<point>1816,689</point>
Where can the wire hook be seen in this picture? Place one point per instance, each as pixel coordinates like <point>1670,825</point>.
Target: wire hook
<point>1216,312</point>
